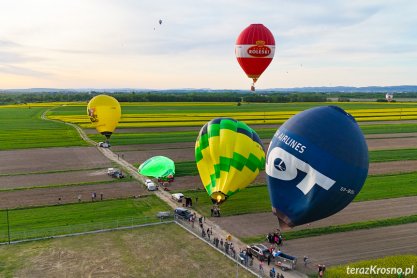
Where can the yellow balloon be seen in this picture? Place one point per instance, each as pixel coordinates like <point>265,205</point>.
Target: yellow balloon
<point>229,156</point>
<point>104,112</point>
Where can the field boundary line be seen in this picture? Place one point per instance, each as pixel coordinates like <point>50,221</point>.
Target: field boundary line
<point>87,232</point>
<point>79,129</point>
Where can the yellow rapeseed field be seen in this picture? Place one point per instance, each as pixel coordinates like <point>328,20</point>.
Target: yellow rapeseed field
<point>197,119</point>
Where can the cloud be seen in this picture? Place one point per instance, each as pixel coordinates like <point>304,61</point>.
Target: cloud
<point>9,69</point>
<point>80,41</point>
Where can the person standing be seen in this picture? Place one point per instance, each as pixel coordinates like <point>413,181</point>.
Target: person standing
<point>272,273</point>
<point>305,259</point>
<point>261,267</point>
<point>321,269</point>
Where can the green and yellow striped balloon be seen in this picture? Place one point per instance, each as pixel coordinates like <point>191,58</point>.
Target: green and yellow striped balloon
<point>229,156</point>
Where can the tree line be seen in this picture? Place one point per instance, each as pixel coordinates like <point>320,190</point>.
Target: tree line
<point>266,97</point>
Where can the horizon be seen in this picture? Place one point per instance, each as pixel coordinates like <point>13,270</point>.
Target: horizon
<point>212,89</point>
<point>109,44</point>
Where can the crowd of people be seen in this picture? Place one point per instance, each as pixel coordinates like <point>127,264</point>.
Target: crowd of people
<point>275,237</point>
<point>244,256</point>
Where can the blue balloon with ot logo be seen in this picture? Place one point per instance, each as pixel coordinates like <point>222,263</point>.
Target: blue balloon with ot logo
<point>317,162</point>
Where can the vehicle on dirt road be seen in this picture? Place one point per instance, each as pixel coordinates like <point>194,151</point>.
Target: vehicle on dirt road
<point>115,173</point>
<point>150,185</point>
<point>177,197</point>
<point>183,213</point>
<point>284,261</point>
<point>104,144</point>
<point>260,251</point>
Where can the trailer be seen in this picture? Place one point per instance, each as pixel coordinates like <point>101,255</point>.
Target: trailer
<point>284,261</point>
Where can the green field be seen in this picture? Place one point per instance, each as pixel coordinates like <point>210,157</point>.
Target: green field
<point>72,218</point>
<point>22,128</point>
<point>255,199</point>
<point>157,251</point>
<point>393,155</point>
<point>188,168</point>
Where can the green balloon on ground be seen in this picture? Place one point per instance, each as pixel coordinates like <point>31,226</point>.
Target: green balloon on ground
<point>158,167</point>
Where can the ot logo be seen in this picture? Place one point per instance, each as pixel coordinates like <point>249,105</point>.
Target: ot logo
<point>279,164</point>
<point>283,165</point>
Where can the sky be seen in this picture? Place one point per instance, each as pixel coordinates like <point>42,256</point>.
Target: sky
<point>120,44</point>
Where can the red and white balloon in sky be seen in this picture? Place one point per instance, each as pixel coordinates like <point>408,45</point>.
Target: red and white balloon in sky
<point>255,49</point>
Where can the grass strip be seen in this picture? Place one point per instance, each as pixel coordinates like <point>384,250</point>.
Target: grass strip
<point>393,155</point>
<point>339,228</point>
<point>79,217</point>
<point>187,168</point>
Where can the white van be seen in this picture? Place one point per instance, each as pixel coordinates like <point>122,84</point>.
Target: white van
<point>150,185</point>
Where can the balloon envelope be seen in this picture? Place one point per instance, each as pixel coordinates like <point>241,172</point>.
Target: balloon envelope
<point>158,167</point>
<point>317,162</point>
<point>229,155</point>
<point>254,49</point>
<point>389,97</point>
<point>104,112</point>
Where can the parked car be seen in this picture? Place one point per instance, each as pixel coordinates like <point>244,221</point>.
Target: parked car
<point>260,251</point>
<point>183,213</point>
<point>115,173</point>
<point>177,197</point>
<point>110,171</point>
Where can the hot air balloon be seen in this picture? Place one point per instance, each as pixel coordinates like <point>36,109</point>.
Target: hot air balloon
<point>104,112</point>
<point>317,162</point>
<point>158,167</point>
<point>229,156</point>
<point>160,21</point>
<point>389,97</point>
<point>255,48</point>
